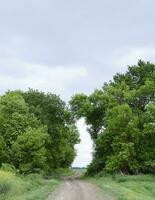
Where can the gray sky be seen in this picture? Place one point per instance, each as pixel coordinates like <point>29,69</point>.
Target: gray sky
<point>72,46</point>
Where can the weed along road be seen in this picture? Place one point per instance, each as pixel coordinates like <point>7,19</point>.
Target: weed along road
<point>76,190</point>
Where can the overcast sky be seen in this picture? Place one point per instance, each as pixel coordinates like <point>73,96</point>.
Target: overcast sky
<point>68,46</point>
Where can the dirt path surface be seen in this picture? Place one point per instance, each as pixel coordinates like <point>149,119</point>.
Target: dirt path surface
<point>76,190</point>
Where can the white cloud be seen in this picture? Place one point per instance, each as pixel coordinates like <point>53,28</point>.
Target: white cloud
<point>21,75</point>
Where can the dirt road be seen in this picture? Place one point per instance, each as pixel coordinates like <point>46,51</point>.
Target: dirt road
<point>76,190</point>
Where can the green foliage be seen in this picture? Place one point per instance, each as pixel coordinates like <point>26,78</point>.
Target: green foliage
<point>121,121</point>
<point>63,135</point>
<point>3,151</point>
<point>92,108</point>
<point>15,118</point>
<point>8,168</point>
<point>29,150</point>
<point>37,131</point>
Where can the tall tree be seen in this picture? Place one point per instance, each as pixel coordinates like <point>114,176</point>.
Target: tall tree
<point>121,121</point>
<point>63,135</point>
<point>37,131</point>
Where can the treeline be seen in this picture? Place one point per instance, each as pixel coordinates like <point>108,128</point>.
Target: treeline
<point>37,131</point>
<point>121,121</point>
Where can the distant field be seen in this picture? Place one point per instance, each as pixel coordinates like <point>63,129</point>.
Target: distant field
<point>31,187</point>
<point>140,187</point>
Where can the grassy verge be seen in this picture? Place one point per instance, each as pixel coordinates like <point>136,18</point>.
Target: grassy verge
<point>140,187</point>
<point>31,187</point>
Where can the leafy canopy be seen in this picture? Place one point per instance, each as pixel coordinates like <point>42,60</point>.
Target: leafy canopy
<point>121,121</point>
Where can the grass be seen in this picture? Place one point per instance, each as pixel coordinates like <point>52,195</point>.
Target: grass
<point>34,186</point>
<point>30,187</point>
<point>139,187</point>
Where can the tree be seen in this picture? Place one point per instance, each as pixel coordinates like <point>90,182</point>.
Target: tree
<point>3,151</point>
<point>53,113</point>
<point>14,120</point>
<point>121,121</point>
<point>37,131</point>
<point>147,142</point>
<point>29,152</point>
<point>92,108</point>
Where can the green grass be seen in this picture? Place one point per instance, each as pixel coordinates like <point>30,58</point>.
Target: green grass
<point>140,187</point>
<point>31,187</point>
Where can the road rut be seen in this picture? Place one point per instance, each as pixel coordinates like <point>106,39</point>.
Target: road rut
<point>76,190</point>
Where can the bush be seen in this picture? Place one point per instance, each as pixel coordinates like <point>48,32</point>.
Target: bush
<point>8,168</point>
